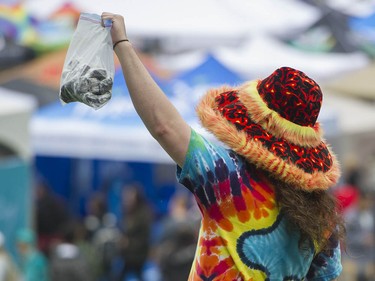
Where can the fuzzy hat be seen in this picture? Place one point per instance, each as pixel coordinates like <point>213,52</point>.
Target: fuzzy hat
<point>272,123</point>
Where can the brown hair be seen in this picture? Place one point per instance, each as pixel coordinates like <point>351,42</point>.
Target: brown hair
<point>314,213</point>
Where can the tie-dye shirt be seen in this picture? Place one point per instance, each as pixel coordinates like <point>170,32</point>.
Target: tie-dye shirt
<point>243,234</point>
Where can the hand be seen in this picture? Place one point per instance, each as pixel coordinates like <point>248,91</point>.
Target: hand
<point>118,30</point>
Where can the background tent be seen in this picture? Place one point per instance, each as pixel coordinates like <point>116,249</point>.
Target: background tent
<point>39,78</point>
<point>363,29</point>
<point>272,17</point>
<point>16,110</point>
<point>80,150</point>
<point>115,131</point>
<point>356,127</point>
<point>112,132</point>
<point>330,33</point>
<point>355,84</point>
<point>175,25</point>
<point>186,88</point>
<point>99,150</point>
<point>262,54</point>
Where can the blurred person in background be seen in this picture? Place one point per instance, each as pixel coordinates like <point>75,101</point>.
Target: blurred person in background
<point>102,233</point>
<point>175,249</point>
<point>348,191</point>
<point>88,250</point>
<point>266,211</point>
<point>179,214</point>
<point>106,241</point>
<point>33,263</point>
<point>136,231</point>
<point>359,261</point>
<point>96,210</point>
<point>8,268</point>
<point>51,214</point>
<point>67,260</point>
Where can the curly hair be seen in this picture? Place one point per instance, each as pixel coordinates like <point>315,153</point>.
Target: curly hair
<point>314,213</point>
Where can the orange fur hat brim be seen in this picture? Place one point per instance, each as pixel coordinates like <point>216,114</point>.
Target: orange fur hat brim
<point>256,153</point>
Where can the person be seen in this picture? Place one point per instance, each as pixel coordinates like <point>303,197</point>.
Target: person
<point>175,248</point>
<point>102,234</point>
<point>360,224</point>
<point>97,211</point>
<point>51,212</point>
<point>33,263</point>
<point>263,185</point>
<point>8,268</point>
<point>136,226</point>
<point>67,261</point>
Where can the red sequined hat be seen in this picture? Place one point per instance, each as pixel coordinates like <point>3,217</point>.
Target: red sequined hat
<point>272,123</point>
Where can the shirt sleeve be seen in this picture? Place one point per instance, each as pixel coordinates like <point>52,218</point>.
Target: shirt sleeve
<point>204,167</point>
<point>326,266</point>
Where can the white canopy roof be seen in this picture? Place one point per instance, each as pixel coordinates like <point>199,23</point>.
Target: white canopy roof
<point>15,113</point>
<point>196,23</point>
<point>262,54</point>
<point>354,116</point>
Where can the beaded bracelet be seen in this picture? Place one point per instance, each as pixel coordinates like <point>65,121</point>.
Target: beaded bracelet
<point>119,41</point>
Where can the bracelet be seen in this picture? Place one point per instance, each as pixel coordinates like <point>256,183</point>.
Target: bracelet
<point>119,41</point>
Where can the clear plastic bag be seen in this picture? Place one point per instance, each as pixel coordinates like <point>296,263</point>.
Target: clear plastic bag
<point>88,71</point>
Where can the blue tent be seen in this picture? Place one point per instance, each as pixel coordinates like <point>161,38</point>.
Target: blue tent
<point>80,150</point>
<point>115,131</point>
<point>117,112</point>
<point>187,88</point>
<point>209,72</point>
<point>95,149</point>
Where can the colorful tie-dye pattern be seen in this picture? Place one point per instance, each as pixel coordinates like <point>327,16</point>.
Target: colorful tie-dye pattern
<point>243,235</point>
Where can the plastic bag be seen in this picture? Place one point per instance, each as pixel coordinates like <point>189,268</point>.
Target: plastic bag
<point>88,71</point>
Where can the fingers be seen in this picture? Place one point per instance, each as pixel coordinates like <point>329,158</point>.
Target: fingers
<point>107,18</point>
<point>110,16</point>
<point>118,31</point>
<point>106,15</point>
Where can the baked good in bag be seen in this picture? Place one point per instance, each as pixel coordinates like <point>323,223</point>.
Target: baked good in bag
<point>91,86</point>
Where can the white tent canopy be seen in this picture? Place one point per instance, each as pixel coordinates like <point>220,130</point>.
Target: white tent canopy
<point>262,54</point>
<point>15,114</point>
<point>171,21</point>
<point>195,23</point>
<point>259,56</point>
<point>83,134</point>
<point>114,132</point>
<point>191,24</point>
<point>354,116</point>
<point>280,18</point>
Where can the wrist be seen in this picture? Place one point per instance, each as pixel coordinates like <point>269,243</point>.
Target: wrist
<point>121,41</point>
<point>122,49</point>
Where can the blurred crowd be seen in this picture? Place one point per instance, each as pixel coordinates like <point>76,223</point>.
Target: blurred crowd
<point>356,197</point>
<point>139,245</point>
<point>100,246</point>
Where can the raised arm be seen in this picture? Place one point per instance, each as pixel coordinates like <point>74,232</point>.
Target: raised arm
<point>157,113</point>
